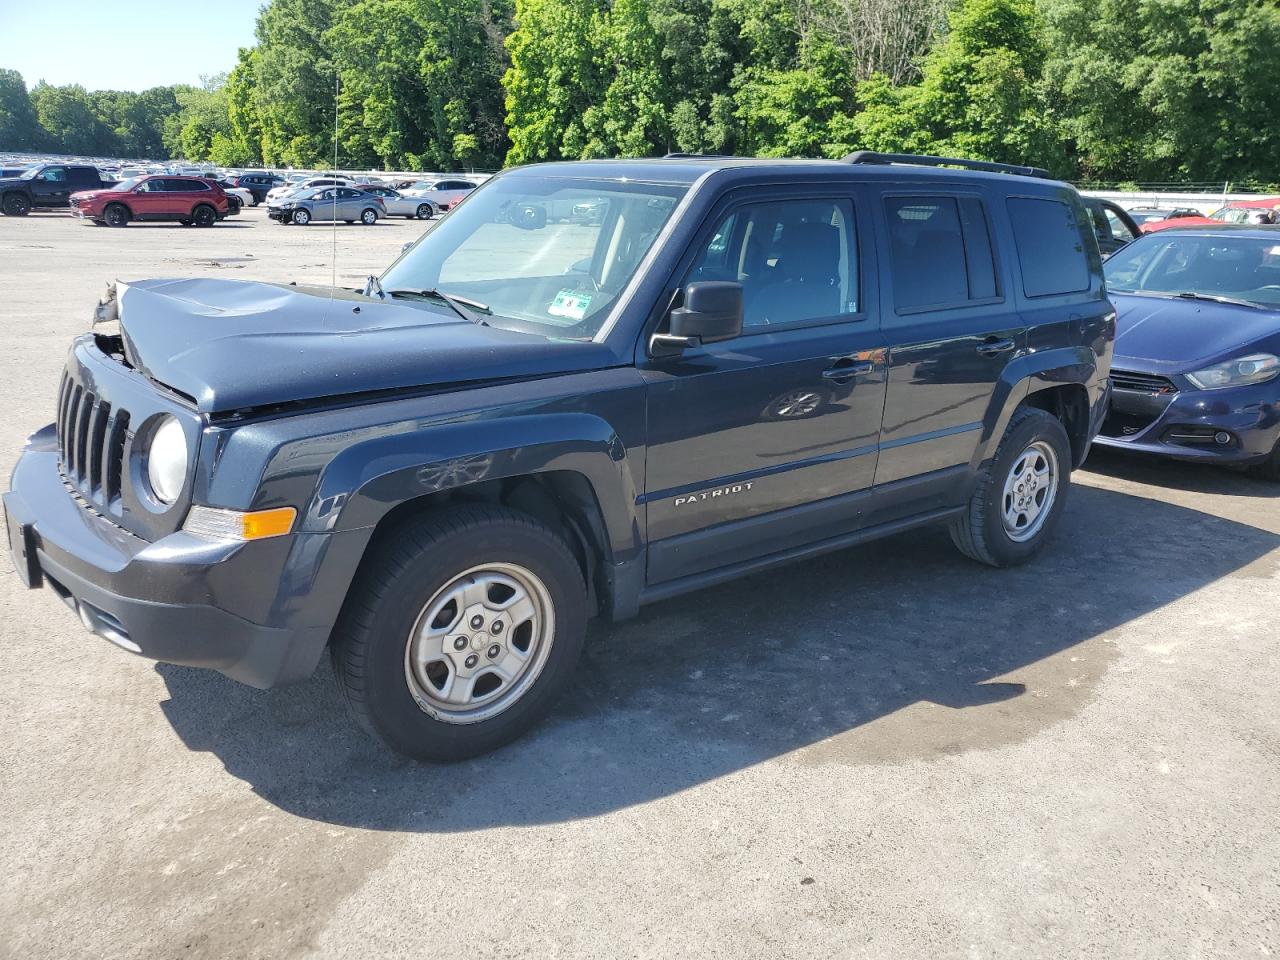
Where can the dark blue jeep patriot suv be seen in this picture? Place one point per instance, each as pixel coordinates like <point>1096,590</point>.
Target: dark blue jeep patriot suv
<point>593,385</point>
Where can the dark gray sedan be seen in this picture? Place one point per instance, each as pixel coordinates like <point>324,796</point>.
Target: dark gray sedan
<point>328,203</point>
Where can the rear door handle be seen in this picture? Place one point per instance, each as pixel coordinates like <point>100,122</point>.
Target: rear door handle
<point>993,348</point>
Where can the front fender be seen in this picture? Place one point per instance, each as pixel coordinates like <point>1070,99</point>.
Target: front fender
<point>367,479</point>
<point>1031,373</point>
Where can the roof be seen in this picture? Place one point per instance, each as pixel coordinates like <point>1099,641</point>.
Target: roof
<point>683,170</point>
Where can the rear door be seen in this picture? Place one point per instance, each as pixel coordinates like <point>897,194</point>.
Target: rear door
<point>952,328</point>
<point>768,441</point>
<point>351,203</point>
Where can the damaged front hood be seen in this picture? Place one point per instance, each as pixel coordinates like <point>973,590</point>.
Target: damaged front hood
<point>232,345</point>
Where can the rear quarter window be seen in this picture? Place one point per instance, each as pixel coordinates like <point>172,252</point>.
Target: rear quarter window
<point>1051,247</point>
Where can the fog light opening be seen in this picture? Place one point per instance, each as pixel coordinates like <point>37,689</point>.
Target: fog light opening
<point>1222,438</point>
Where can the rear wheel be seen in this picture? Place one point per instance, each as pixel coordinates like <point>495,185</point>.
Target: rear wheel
<point>204,216</point>
<point>368,216</point>
<point>16,204</point>
<point>115,215</point>
<point>301,217</point>
<point>1020,496</point>
<point>460,631</point>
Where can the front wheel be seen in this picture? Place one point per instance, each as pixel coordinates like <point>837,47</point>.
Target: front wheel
<point>301,217</point>
<point>460,631</point>
<point>16,204</point>
<point>1020,495</point>
<point>424,211</point>
<point>115,215</point>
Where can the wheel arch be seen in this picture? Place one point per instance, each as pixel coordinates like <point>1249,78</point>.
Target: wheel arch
<point>571,471</point>
<point>1065,382</point>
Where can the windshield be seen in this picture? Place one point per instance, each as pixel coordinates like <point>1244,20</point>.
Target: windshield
<point>127,184</point>
<point>29,174</point>
<point>1225,266</point>
<point>543,255</point>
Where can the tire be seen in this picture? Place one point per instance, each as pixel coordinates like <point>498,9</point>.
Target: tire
<point>368,216</point>
<point>424,567</point>
<point>16,204</point>
<point>425,211</point>
<point>300,217</point>
<point>1268,469</point>
<point>204,216</point>
<point>116,215</point>
<point>982,532</point>
<point>254,201</point>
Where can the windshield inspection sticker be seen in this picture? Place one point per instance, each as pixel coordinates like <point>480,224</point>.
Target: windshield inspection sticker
<point>570,304</point>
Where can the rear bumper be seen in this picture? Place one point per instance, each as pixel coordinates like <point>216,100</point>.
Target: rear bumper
<point>1185,428</point>
<point>173,600</point>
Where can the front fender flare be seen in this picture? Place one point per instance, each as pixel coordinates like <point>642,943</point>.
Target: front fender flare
<point>364,481</point>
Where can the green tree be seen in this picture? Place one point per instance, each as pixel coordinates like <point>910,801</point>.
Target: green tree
<point>19,128</point>
<point>555,76</point>
<point>295,81</point>
<point>981,93</point>
<point>1166,89</point>
<point>70,124</point>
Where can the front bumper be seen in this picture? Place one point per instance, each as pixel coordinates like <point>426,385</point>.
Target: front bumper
<point>165,600</point>
<point>1184,426</point>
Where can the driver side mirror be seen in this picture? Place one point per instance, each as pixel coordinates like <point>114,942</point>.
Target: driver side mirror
<point>712,312</point>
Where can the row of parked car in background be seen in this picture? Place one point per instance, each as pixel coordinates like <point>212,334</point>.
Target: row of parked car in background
<point>204,198</point>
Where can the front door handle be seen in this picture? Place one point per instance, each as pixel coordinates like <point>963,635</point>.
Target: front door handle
<point>993,348</point>
<point>846,368</point>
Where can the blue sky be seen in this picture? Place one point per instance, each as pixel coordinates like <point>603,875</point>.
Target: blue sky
<point>127,46</point>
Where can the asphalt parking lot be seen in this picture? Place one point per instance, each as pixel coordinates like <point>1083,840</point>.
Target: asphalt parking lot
<point>886,752</point>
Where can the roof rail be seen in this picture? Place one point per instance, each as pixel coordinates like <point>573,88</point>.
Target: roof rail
<point>700,156</point>
<point>871,156</point>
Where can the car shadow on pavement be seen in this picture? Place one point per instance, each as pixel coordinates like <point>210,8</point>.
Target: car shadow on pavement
<point>894,651</point>
<point>1193,477</point>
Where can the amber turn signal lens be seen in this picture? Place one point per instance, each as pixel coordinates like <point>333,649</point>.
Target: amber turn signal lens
<point>214,523</point>
<point>268,523</point>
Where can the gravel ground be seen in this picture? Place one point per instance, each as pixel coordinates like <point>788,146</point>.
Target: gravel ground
<point>887,752</point>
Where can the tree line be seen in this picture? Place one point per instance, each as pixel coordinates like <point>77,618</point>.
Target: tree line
<point>1102,90</point>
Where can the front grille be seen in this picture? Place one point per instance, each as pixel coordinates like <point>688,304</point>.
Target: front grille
<point>91,437</point>
<point>1142,382</point>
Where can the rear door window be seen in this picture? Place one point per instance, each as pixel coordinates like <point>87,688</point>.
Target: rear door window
<point>1051,246</point>
<point>940,253</point>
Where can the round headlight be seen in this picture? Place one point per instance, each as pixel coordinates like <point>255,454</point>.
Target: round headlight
<point>167,460</point>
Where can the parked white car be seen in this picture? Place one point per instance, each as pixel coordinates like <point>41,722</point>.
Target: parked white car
<point>443,193</point>
<point>275,193</point>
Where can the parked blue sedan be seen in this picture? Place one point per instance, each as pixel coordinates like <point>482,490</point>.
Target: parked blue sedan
<point>1197,352</point>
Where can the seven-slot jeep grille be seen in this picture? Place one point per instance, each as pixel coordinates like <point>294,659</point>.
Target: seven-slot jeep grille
<point>91,436</point>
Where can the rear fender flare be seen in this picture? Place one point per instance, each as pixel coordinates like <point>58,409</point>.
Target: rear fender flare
<point>1031,373</point>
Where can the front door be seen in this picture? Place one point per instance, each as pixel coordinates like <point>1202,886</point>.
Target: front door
<point>50,187</point>
<point>768,441</point>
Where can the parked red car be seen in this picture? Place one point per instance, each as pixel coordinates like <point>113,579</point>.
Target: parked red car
<point>1261,211</point>
<point>188,200</point>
